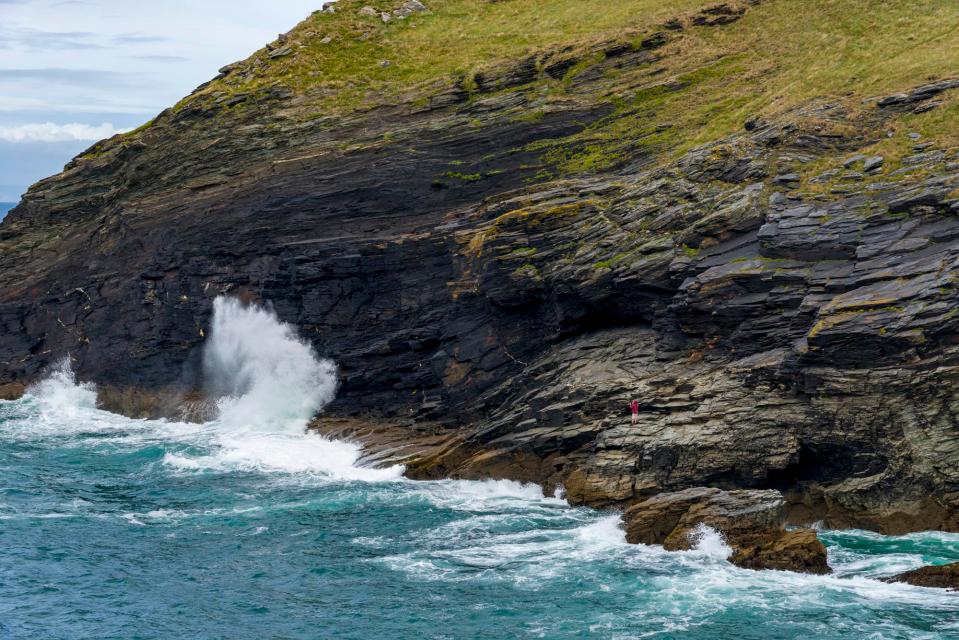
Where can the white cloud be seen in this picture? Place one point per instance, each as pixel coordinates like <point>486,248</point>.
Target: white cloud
<point>50,132</point>
<point>93,61</point>
<point>114,52</point>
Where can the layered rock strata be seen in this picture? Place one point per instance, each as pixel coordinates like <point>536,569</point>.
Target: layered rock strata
<point>782,302</point>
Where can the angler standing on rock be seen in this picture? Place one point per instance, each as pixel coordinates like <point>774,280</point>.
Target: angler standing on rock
<point>634,408</point>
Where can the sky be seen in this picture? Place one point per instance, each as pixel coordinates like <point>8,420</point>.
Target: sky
<point>75,71</point>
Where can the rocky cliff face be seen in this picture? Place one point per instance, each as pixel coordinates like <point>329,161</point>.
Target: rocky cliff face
<point>512,256</point>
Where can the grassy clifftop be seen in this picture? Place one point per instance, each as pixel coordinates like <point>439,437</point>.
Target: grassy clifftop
<point>694,72</point>
<point>797,48</point>
<point>716,65</point>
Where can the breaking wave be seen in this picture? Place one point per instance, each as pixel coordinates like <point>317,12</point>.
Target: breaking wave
<point>268,384</point>
<point>252,517</point>
<point>264,376</point>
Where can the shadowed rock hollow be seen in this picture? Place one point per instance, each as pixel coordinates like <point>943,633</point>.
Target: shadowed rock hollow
<point>500,257</point>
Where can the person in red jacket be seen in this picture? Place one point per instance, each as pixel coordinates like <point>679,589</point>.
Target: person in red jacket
<point>634,408</point>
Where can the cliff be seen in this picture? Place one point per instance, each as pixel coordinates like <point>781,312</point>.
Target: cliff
<point>504,220</point>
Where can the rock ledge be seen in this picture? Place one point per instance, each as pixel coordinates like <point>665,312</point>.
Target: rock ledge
<point>942,576</point>
<point>752,522</point>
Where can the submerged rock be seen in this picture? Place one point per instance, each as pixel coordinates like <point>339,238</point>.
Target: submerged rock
<point>944,576</point>
<point>752,522</point>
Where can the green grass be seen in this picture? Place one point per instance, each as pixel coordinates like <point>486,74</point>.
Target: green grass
<point>527,270</point>
<point>705,82</point>
<point>465,177</point>
<point>770,62</point>
<point>691,252</point>
<point>525,219</point>
<point>808,47</point>
<point>456,38</point>
<point>937,126</point>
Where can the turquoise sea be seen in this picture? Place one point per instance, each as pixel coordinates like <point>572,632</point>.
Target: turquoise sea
<point>247,527</point>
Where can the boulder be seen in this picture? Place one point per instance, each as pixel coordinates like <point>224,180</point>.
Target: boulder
<point>799,550</point>
<point>409,8</point>
<point>752,522</point>
<point>850,162</point>
<point>872,163</point>
<point>282,52</point>
<point>787,178</point>
<point>944,576</point>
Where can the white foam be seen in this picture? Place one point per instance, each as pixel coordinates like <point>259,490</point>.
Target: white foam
<point>38,516</point>
<point>874,566</point>
<point>59,408</point>
<point>269,384</point>
<point>603,534</point>
<point>483,495</point>
<point>267,378</point>
<point>61,395</point>
<point>710,542</point>
<point>303,453</point>
<point>504,546</point>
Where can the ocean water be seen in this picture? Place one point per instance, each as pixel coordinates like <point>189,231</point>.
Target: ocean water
<point>248,527</point>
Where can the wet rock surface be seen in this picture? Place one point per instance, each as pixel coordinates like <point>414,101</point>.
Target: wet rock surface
<point>941,576</point>
<point>777,337</point>
<point>752,523</point>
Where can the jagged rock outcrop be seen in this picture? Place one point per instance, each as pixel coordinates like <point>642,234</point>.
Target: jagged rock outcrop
<point>513,254</point>
<point>940,576</point>
<point>752,523</point>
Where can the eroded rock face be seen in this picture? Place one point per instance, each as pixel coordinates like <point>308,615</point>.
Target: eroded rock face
<point>777,337</point>
<point>941,576</point>
<point>799,550</point>
<point>751,522</point>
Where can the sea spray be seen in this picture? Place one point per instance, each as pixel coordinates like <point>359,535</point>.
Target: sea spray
<point>264,375</point>
<point>269,383</point>
<point>261,528</point>
<point>59,407</point>
<point>710,542</point>
<point>60,394</point>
